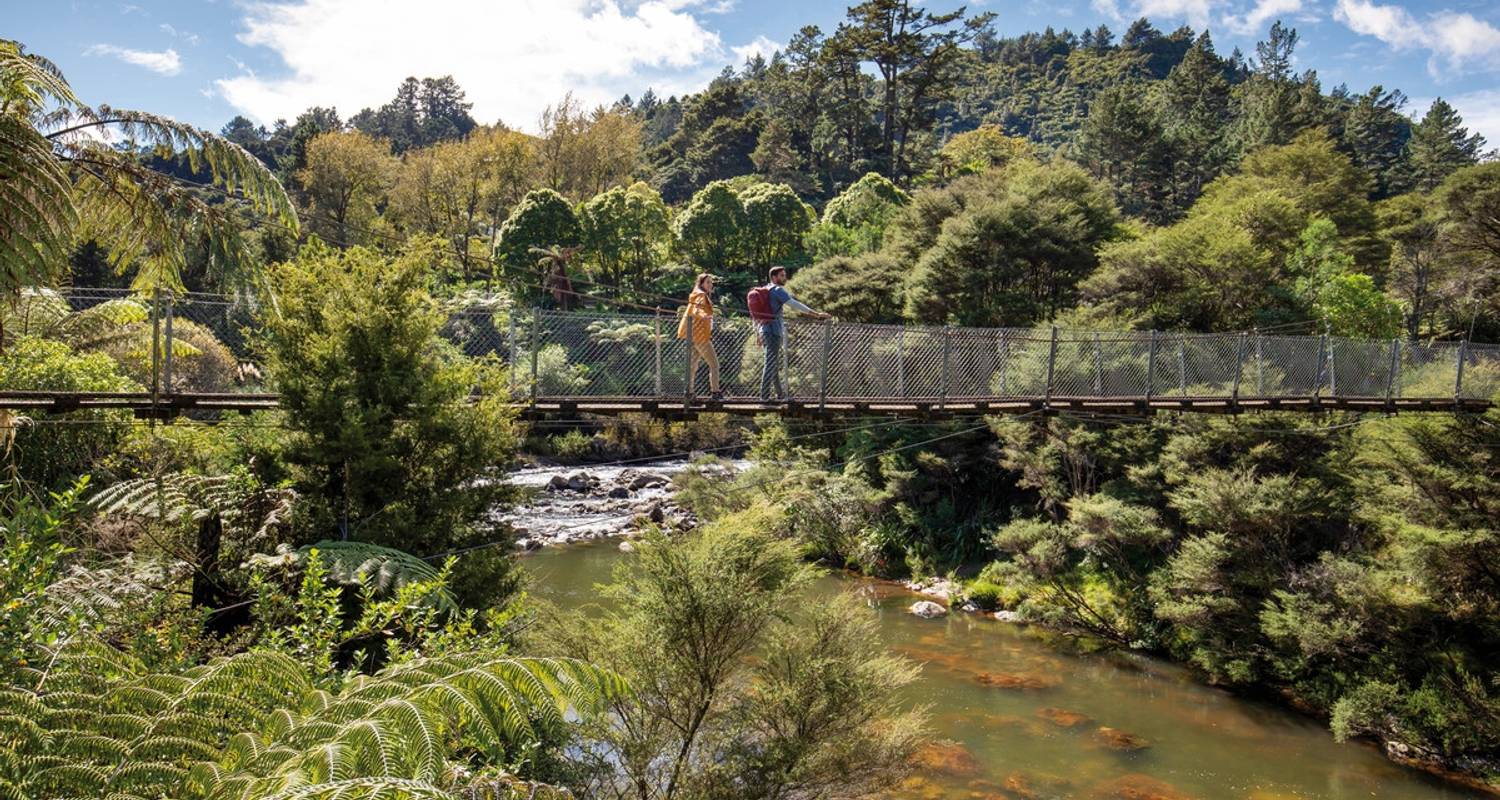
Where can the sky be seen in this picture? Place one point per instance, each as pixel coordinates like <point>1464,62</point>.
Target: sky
<point>204,61</point>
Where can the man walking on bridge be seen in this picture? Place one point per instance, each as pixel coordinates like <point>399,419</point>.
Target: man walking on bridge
<point>766,305</point>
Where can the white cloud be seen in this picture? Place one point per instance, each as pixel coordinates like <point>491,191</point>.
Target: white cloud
<point>1481,112</point>
<point>165,62</point>
<point>512,59</point>
<point>1195,12</point>
<point>1256,19</point>
<point>1456,40</point>
<point>187,36</point>
<point>762,47</point>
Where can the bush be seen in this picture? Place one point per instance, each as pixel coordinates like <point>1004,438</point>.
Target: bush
<point>385,443</point>
<point>571,446</point>
<point>45,450</point>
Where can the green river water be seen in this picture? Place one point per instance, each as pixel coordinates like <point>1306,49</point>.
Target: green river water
<point>1040,737</point>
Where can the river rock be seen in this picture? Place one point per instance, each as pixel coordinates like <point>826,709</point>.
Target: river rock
<point>619,492</point>
<point>646,480</point>
<point>926,609</point>
<point>558,483</point>
<point>580,481</point>
<point>627,547</point>
<point>1116,739</point>
<point>948,758</point>
<point>1018,680</point>
<point>1136,786</point>
<point>1006,615</point>
<point>1063,718</point>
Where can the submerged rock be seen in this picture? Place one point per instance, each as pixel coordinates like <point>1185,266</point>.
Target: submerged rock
<point>1136,786</point>
<point>1120,740</point>
<point>1018,680</point>
<point>1063,718</point>
<point>926,609</point>
<point>948,758</point>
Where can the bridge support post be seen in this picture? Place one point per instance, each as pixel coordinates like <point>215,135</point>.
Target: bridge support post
<point>657,340</point>
<point>514,351</point>
<point>827,354</point>
<point>1322,360</point>
<point>1004,363</point>
<point>1182,366</point>
<point>1333,372</point>
<point>1098,367</point>
<point>1151,368</point>
<point>167,342</point>
<point>1051,367</point>
<point>1239,367</point>
<point>1260,366</point>
<point>947,365</point>
<point>155,351</point>
<point>691,367</point>
<point>1390,378</point>
<point>536,342</point>
<point>901,361</point>
<point>1458,377</point>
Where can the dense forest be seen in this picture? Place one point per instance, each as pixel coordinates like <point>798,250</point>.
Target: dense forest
<point>319,601</point>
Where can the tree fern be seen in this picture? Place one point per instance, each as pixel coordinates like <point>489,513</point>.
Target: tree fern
<point>93,723</point>
<point>64,181</point>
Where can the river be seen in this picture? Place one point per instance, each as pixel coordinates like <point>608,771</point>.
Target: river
<point>1027,715</point>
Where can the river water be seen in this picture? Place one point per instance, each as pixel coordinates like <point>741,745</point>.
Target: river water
<point>1024,714</point>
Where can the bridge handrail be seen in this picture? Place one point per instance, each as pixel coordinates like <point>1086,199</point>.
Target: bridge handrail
<point>204,343</point>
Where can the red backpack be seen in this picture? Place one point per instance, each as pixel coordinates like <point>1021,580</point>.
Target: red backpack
<point>759,303</point>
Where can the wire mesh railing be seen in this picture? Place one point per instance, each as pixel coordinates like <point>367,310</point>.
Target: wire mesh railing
<point>198,343</point>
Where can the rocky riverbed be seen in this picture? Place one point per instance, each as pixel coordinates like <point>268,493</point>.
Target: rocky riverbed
<point>567,505</point>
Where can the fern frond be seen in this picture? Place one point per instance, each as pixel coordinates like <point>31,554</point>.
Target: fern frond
<point>366,789</point>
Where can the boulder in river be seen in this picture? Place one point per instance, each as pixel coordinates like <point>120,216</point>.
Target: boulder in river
<point>627,547</point>
<point>646,480</point>
<point>580,481</point>
<point>926,609</point>
<point>1018,680</point>
<point>558,483</point>
<point>1136,786</point>
<point>1116,739</point>
<point>619,492</point>
<point>1005,615</point>
<point>948,758</point>
<point>1063,718</point>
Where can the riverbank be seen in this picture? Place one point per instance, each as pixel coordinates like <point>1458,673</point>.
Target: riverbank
<point>574,510</point>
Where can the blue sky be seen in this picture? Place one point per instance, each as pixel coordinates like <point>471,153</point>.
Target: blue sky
<point>203,61</point>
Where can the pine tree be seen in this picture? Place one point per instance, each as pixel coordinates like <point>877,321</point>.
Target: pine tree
<point>1439,146</point>
<point>1375,134</point>
<point>1193,106</point>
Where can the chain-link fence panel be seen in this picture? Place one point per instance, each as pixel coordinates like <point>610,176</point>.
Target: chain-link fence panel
<point>1428,370</point>
<point>1481,378</point>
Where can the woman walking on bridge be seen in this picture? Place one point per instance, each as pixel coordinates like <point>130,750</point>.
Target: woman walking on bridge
<point>700,310</point>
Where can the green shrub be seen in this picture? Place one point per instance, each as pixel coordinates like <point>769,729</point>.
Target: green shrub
<point>46,450</point>
<point>571,446</point>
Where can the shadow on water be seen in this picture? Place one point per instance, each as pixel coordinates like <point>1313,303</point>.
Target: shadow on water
<point>1023,715</point>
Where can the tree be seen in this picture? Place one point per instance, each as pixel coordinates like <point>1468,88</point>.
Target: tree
<point>1422,270</point>
<point>624,232</point>
<point>1376,133</point>
<point>775,158</point>
<point>863,288</point>
<point>463,190</point>
<point>915,52</point>
<point>1440,146</point>
<point>1015,256</point>
<point>66,183</point>
<point>1123,143</point>
<point>707,231</point>
<point>1274,105</point>
<point>1193,105</point>
<point>978,150</point>
<point>345,181</point>
<point>385,444</point>
<point>729,691</point>
<point>1347,302</point>
<point>774,222</point>
<point>582,154</point>
<point>543,219</point>
<point>869,200</point>
<point>422,114</point>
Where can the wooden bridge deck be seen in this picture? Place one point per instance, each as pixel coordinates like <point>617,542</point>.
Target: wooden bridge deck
<point>146,405</point>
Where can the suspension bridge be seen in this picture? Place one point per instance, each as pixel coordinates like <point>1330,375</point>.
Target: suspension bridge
<point>193,354</point>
